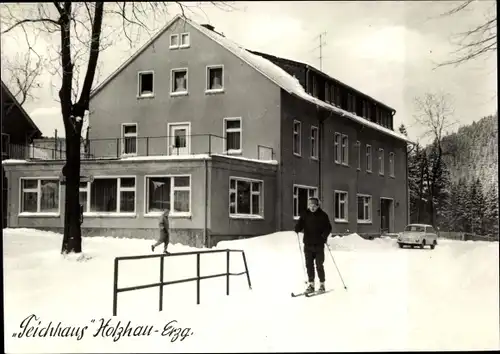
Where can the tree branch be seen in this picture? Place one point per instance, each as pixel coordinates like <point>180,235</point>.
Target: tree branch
<point>94,55</point>
<point>30,20</point>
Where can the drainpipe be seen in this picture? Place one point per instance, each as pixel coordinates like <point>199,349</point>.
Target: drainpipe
<point>320,148</point>
<point>205,229</point>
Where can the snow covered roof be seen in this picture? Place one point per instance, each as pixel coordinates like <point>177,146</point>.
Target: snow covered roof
<point>270,70</point>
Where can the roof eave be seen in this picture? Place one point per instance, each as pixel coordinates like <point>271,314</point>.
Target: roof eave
<point>23,111</point>
<point>405,139</point>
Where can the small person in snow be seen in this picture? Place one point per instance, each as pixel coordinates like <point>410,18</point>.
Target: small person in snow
<point>315,224</point>
<point>164,232</point>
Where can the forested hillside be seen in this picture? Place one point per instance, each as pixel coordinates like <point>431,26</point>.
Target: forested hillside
<point>472,152</point>
<point>454,182</point>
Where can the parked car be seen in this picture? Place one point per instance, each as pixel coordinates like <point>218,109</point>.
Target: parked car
<point>418,235</point>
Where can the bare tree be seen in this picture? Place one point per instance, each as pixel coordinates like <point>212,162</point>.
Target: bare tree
<point>21,74</point>
<point>476,42</point>
<point>82,36</point>
<point>434,112</point>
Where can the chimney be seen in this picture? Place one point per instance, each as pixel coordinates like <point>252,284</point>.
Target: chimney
<point>207,26</point>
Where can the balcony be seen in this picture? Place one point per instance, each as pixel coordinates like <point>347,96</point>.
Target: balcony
<point>130,147</point>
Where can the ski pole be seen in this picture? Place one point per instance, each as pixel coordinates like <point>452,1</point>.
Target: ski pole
<point>302,258</point>
<point>338,271</point>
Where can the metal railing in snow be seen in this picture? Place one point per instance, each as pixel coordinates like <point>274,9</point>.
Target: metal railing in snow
<point>162,283</point>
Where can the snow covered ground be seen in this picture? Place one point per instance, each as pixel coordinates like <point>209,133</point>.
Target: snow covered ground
<point>396,299</point>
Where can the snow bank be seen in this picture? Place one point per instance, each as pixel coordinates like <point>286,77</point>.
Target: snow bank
<point>392,295</point>
<point>288,240</point>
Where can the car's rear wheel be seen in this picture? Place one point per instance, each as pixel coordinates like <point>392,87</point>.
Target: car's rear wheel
<point>400,245</point>
<point>422,245</point>
<point>433,245</point>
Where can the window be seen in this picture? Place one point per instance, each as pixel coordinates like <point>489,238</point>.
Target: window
<point>327,92</point>
<point>129,139</point>
<point>381,161</point>
<point>174,41</point>
<point>345,150</point>
<point>245,197</point>
<point>337,151</point>
<point>168,192</point>
<point>40,195</point>
<point>351,103</point>
<point>109,195</point>
<point>314,142</point>
<point>297,138</point>
<point>368,111</point>
<point>315,87</point>
<point>364,208</point>
<point>179,80</point>
<point>358,146</point>
<point>301,194</point>
<point>333,91</point>
<point>365,109</point>
<point>232,135</point>
<point>184,40</point>
<point>391,164</point>
<point>215,78</point>
<point>368,158</point>
<point>378,116</point>
<point>145,85</point>
<point>337,95</point>
<point>340,206</point>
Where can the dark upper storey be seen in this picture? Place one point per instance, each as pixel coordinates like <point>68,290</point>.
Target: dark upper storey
<point>330,90</point>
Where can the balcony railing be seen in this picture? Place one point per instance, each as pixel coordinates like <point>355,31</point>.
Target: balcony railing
<point>202,144</point>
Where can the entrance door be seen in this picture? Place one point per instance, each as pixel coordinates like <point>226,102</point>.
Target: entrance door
<point>179,138</point>
<point>385,215</point>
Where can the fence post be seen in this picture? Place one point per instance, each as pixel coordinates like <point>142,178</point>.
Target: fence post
<point>117,147</point>
<point>209,144</point>
<point>197,278</point>
<point>227,272</point>
<point>246,269</point>
<point>115,287</point>
<point>147,146</point>
<point>162,259</point>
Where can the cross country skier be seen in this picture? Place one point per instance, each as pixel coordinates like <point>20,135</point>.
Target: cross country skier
<point>315,224</point>
<point>164,232</point>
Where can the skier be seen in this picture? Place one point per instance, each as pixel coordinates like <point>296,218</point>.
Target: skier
<point>164,232</point>
<point>315,224</point>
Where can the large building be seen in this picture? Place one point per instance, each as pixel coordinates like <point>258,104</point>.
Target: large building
<point>232,141</point>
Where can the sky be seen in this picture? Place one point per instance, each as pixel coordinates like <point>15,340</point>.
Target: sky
<point>386,49</point>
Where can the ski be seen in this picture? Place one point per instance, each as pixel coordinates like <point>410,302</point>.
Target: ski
<point>317,292</point>
<point>298,294</point>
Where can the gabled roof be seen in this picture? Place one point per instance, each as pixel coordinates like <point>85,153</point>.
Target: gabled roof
<point>6,90</point>
<point>270,70</point>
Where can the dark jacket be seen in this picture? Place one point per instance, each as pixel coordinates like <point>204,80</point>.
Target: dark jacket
<point>316,227</point>
<point>164,224</point>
